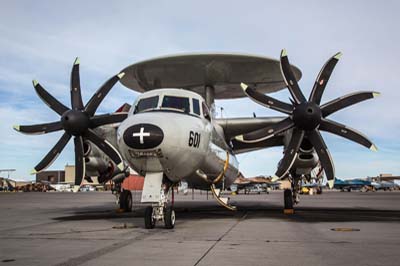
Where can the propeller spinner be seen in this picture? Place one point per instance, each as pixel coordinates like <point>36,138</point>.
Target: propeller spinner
<point>307,117</point>
<point>79,122</point>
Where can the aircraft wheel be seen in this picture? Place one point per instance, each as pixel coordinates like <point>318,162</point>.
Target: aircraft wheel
<point>149,221</point>
<point>169,217</point>
<point>125,200</point>
<point>288,199</point>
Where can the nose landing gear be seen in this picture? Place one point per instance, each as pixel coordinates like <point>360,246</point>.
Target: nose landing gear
<point>160,212</point>
<point>158,190</point>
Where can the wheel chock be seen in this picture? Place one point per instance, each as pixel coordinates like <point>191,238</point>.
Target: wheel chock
<point>119,210</point>
<point>288,211</point>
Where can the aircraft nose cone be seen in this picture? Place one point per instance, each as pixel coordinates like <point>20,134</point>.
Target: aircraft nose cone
<point>143,136</point>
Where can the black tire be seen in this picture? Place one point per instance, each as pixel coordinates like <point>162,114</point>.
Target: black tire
<point>149,222</point>
<point>169,217</point>
<point>125,201</point>
<point>288,199</point>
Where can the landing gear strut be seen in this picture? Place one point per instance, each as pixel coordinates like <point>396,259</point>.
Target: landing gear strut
<point>288,199</point>
<point>291,196</point>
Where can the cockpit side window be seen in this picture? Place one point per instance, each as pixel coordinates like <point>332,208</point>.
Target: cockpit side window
<point>196,106</point>
<point>179,103</point>
<point>146,104</point>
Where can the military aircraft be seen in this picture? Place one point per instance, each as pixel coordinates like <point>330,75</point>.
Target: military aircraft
<point>171,132</point>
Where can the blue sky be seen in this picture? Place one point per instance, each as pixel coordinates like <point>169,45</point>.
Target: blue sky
<point>40,40</point>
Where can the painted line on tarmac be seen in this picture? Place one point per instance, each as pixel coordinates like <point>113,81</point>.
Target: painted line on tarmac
<point>221,237</point>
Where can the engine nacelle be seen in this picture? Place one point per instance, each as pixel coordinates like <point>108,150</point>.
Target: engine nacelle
<point>98,164</point>
<point>307,159</point>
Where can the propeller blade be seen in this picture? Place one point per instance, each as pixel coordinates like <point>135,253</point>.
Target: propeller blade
<point>100,120</point>
<point>53,154</point>
<point>346,101</point>
<point>39,128</point>
<point>346,132</point>
<point>79,161</point>
<point>267,132</point>
<point>290,79</point>
<point>98,97</point>
<point>49,100</point>
<point>266,101</point>
<point>76,97</point>
<point>324,156</point>
<point>322,79</point>
<point>106,147</point>
<point>290,153</point>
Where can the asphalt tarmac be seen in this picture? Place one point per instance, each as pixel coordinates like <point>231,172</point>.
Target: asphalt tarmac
<point>85,229</point>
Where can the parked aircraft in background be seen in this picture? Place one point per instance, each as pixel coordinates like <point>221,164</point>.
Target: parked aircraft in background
<point>352,184</point>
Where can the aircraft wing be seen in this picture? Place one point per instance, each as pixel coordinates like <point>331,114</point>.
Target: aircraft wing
<point>234,128</point>
<point>238,126</point>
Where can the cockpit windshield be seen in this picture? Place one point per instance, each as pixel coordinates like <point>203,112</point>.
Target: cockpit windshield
<point>179,103</point>
<point>146,104</point>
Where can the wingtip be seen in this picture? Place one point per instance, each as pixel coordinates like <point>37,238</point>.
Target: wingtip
<point>77,62</point>
<point>121,75</point>
<point>244,86</point>
<point>331,183</point>
<point>16,127</point>
<point>373,148</point>
<point>35,82</point>
<point>338,56</point>
<point>283,53</point>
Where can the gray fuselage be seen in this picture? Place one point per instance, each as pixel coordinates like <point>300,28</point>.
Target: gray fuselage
<point>172,131</point>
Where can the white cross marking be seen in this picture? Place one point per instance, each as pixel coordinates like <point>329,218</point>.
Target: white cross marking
<point>141,134</point>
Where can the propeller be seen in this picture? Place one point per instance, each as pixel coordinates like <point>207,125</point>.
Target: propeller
<point>77,122</point>
<point>307,117</point>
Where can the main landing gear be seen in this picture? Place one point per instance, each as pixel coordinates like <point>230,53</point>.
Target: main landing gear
<point>291,196</point>
<point>125,201</point>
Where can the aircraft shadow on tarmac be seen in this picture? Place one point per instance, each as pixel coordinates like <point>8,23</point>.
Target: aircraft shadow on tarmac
<point>249,211</point>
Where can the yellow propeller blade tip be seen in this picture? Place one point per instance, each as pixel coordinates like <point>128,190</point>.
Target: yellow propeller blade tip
<point>373,148</point>
<point>338,55</point>
<point>120,166</point>
<point>283,53</point>
<point>376,94</point>
<point>33,172</point>
<point>16,127</point>
<point>76,189</point>
<point>239,138</point>
<point>275,178</point>
<point>35,82</point>
<point>121,75</point>
<point>331,183</point>
<point>77,62</point>
<point>244,86</point>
